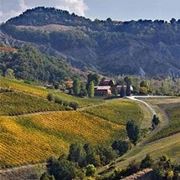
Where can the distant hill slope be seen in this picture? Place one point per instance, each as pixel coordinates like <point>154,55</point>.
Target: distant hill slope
<point>110,47</point>
<point>30,64</point>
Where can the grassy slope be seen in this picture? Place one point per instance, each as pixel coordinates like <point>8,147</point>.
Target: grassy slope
<point>166,141</point>
<point>43,92</point>
<point>117,111</point>
<point>14,103</point>
<point>173,112</point>
<point>34,138</point>
<point>169,146</point>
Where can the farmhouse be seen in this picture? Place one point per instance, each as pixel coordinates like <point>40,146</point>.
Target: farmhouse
<point>103,91</point>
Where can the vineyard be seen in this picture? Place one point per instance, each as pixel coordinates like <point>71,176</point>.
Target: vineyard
<point>33,129</point>
<point>34,138</point>
<point>117,111</point>
<point>43,92</point>
<point>14,103</point>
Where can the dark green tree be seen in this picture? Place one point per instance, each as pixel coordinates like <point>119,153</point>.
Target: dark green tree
<point>133,131</point>
<point>128,90</point>
<point>127,80</point>
<point>107,154</point>
<point>155,121</point>
<point>94,78</point>
<point>77,154</point>
<point>122,91</point>
<point>83,91</point>
<point>121,147</point>
<point>76,87</point>
<point>91,157</point>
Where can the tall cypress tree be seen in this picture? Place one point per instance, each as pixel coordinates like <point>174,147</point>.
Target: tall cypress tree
<point>76,87</point>
<point>91,89</point>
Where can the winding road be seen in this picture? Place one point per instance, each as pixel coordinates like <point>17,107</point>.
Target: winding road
<point>135,98</point>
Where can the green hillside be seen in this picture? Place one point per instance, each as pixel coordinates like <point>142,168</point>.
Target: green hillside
<point>15,103</point>
<point>165,140</point>
<point>173,112</point>
<point>43,92</point>
<point>117,111</point>
<point>31,133</point>
<point>112,47</point>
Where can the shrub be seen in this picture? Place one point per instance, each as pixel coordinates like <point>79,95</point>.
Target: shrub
<point>147,162</point>
<point>46,176</point>
<point>121,146</point>
<point>73,105</point>
<point>50,97</point>
<point>91,155</point>
<point>62,169</point>
<point>58,100</point>
<point>90,170</point>
<point>107,154</point>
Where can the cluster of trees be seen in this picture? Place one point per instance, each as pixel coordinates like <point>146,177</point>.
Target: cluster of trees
<point>58,100</point>
<point>81,161</point>
<point>30,64</point>
<point>163,168</point>
<point>81,89</point>
<point>154,86</point>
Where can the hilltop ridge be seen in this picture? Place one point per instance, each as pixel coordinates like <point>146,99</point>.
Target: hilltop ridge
<point>142,47</point>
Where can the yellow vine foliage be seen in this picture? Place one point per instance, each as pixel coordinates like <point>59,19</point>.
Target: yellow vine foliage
<point>34,138</point>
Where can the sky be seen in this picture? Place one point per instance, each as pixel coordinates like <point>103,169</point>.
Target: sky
<point>122,10</point>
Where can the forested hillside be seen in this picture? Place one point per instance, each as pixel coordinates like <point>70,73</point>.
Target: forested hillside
<point>30,64</point>
<point>142,47</point>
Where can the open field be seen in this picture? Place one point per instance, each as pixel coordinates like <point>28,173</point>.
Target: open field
<point>173,112</point>
<point>164,140</point>
<point>169,146</point>
<point>117,111</point>
<point>14,103</point>
<point>34,138</point>
<point>168,110</point>
<point>43,92</point>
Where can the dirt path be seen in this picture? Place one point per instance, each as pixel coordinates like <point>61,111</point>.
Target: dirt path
<point>139,175</point>
<point>151,109</point>
<point>28,172</point>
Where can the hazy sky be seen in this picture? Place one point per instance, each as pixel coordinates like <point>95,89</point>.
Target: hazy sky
<point>101,9</point>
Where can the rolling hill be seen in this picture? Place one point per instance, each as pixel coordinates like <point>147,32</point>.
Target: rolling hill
<point>141,47</point>
<point>33,129</point>
<point>164,141</point>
